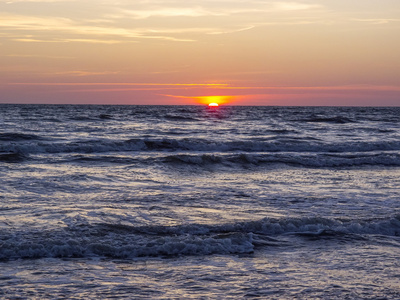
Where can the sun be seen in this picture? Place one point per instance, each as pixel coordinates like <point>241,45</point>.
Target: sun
<point>213,101</point>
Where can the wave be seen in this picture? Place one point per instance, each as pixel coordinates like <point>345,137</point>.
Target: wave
<point>389,226</point>
<point>124,241</point>
<point>12,157</point>
<point>92,118</point>
<point>102,159</point>
<point>200,152</point>
<point>179,162</point>
<point>333,120</point>
<point>105,116</point>
<point>107,242</point>
<point>27,144</point>
<point>15,136</point>
<point>323,160</point>
<point>180,118</point>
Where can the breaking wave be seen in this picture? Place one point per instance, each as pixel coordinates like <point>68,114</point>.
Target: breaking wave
<point>123,241</point>
<point>287,144</point>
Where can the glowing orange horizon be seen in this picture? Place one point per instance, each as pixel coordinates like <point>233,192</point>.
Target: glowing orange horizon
<point>218,100</point>
<point>216,85</point>
<point>206,100</point>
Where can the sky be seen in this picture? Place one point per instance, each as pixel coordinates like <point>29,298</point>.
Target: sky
<point>185,52</point>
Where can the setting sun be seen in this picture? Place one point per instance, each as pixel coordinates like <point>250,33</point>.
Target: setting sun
<point>214,101</point>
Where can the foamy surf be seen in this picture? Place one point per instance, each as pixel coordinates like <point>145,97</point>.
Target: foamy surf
<point>123,241</point>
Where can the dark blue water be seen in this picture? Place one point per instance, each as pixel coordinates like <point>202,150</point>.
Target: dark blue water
<point>191,201</point>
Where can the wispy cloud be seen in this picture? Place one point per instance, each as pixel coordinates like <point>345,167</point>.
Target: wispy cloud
<point>68,40</point>
<point>377,21</point>
<point>125,21</point>
<point>185,9</point>
<point>185,85</point>
<point>37,1</point>
<point>219,31</point>
<point>33,23</point>
<point>207,85</point>
<point>38,56</point>
<point>42,28</point>
<point>290,6</point>
<point>85,73</point>
<point>169,12</point>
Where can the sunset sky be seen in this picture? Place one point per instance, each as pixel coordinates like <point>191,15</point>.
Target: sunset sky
<point>243,52</point>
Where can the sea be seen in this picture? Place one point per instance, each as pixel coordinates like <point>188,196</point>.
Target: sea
<point>198,202</point>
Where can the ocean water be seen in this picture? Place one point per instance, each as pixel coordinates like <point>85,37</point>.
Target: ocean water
<point>168,202</point>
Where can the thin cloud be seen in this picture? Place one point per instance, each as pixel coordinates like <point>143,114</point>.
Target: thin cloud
<point>290,6</point>
<point>179,10</point>
<point>108,24</point>
<point>233,30</point>
<point>121,84</point>
<point>38,56</point>
<point>24,22</point>
<point>377,21</point>
<point>53,25</point>
<point>85,73</point>
<point>36,1</point>
<point>207,85</point>
<point>171,12</point>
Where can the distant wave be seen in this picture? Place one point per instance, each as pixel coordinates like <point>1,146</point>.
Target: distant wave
<point>124,241</point>
<point>86,118</point>
<point>105,116</point>
<point>180,118</point>
<point>15,136</point>
<point>335,120</point>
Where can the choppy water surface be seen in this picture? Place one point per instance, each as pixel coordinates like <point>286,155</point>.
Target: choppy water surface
<point>190,202</point>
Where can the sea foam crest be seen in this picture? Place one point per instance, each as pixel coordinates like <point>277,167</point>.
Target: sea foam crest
<point>123,241</point>
<point>126,246</point>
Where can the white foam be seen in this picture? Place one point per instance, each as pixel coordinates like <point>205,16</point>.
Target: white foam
<point>108,240</point>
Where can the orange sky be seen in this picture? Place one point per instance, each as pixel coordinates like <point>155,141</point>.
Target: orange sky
<point>301,52</point>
